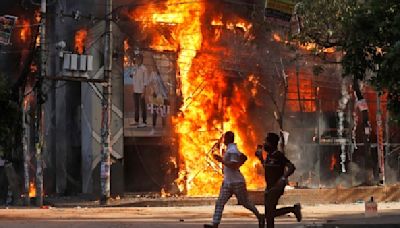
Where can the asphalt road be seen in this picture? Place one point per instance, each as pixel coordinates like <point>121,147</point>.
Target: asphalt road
<point>189,217</point>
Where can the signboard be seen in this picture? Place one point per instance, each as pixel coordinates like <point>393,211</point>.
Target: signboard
<point>150,114</point>
<point>279,9</point>
<point>7,24</point>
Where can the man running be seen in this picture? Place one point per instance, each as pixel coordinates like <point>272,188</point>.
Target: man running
<point>277,170</point>
<point>233,183</point>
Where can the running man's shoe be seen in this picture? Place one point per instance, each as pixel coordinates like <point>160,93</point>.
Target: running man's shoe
<point>261,221</point>
<point>297,212</point>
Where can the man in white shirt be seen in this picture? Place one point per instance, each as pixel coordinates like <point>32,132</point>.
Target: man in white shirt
<point>233,183</point>
<point>140,81</point>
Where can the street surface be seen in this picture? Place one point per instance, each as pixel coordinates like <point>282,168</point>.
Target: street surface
<point>154,217</point>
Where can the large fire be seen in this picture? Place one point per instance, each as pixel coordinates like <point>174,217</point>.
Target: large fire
<point>212,101</point>
<point>80,39</point>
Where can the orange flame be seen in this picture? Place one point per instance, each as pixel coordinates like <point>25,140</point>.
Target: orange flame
<point>32,189</point>
<point>126,54</point>
<point>217,21</point>
<point>25,30</point>
<point>276,37</point>
<point>313,47</point>
<point>80,39</point>
<point>206,111</point>
<point>333,162</point>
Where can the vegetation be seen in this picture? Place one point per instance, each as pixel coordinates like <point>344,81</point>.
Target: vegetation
<point>372,44</point>
<point>368,33</point>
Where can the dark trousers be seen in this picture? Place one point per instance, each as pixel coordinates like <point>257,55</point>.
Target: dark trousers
<point>271,200</point>
<point>140,103</point>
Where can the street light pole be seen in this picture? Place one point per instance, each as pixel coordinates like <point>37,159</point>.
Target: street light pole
<point>106,108</point>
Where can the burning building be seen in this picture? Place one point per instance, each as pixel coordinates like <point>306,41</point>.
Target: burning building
<point>213,66</point>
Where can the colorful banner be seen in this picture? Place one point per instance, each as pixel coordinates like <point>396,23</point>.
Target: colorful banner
<point>7,24</point>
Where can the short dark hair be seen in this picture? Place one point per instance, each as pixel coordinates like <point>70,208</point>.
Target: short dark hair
<point>273,139</point>
<point>229,137</point>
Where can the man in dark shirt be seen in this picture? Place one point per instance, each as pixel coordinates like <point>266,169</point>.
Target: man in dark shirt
<point>277,170</point>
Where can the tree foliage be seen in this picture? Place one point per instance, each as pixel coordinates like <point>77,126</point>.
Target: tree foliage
<point>372,44</point>
<point>321,21</point>
<point>368,33</point>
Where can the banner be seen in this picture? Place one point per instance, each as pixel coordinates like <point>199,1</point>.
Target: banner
<point>7,24</point>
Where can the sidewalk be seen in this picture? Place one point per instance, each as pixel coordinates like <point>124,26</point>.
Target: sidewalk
<point>388,193</point>
<point>135,201</point>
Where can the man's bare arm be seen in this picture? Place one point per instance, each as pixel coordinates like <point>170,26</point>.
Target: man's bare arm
<point>232,165</point>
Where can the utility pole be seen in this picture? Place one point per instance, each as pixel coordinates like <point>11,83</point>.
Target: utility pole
<point>106,108</point>
<point>25,146</point>
<point>39,101</point>
<point>379,139</point>
<point>387,136</point>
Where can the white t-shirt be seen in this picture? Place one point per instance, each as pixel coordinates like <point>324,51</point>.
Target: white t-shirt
<point>232,175</point>
<point>140,79</point>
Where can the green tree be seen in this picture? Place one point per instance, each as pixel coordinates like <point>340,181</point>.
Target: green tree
<point>368,33</point>
<point>321,21</point>
<point>364,31</point>
<point>372,44</point>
